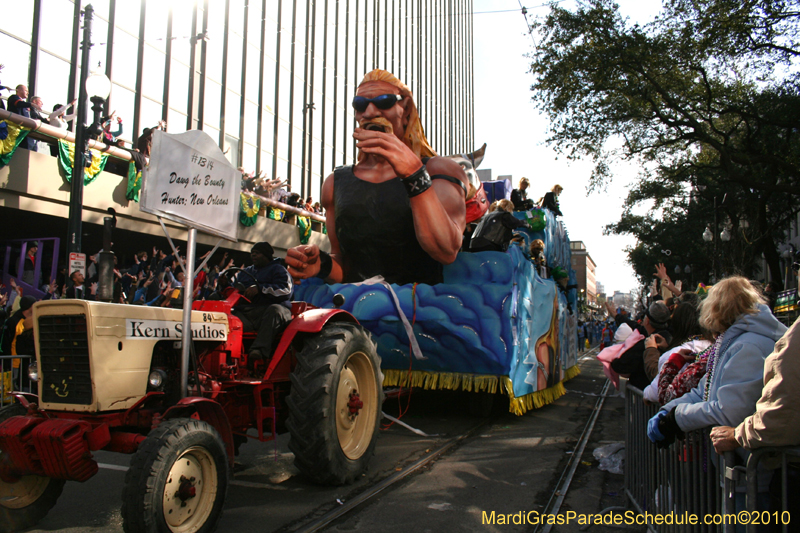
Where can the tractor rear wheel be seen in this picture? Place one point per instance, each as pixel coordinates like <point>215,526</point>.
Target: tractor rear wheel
<point>26,501</point>
<point>335,404</point>
<point>177,480</point>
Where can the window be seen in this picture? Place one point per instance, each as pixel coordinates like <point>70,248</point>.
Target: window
<point>124,59</point>
<point>15,72</point>
<point>211,110</point>
<point>179,86</point>
<point>232,101</point>
<point>56,29</point>
<point>18,22</point>
<point>122,100</point>
<point>53,76</point>
<point>232,149</point>
<point>127,17</point>
<point>149,117</point>
<point>153,73</point>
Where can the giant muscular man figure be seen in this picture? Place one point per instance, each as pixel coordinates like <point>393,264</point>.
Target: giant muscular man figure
<point>390,214</point>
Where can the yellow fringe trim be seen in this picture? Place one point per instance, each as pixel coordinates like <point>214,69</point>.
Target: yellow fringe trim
<point>477,383</point>
<point>571,372</point>
<point>535,400</point>
<point>440,380</point>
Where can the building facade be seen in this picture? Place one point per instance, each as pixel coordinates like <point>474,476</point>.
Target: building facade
<point>624,299</point>
<point>584,268</point>
<point>271,80</point>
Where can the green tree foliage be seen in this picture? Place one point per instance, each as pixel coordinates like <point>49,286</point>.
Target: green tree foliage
<point>706,96</point>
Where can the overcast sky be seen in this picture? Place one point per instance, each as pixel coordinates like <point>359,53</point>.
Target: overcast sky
<point>515,133</point>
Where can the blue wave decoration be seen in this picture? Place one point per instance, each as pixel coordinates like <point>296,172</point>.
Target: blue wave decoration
<point>492,315</point>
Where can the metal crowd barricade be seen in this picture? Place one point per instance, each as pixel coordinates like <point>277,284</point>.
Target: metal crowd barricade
<point>783,516</point>
<point>687,479</point>
<point>10,382</point>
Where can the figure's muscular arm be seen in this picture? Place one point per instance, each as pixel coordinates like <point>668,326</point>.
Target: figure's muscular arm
<point>440,212</point>
<point>303,261</point>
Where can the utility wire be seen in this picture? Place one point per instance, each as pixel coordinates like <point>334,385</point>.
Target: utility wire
<point>527,23</point>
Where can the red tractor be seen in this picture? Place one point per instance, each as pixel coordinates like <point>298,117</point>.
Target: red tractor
<point>109,378</point>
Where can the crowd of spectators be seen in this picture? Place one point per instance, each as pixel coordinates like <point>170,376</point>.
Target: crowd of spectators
<point>718,360</point>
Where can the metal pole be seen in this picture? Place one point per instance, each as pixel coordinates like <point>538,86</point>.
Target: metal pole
<point>76,189</point>
<point>188,285</point>
<point>715,239</point>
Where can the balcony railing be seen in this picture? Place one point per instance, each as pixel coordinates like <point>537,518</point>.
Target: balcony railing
<point>41,131</point>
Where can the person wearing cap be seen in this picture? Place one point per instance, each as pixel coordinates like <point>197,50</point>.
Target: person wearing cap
<point>400,212</point>
<point>266,308</point>
<point>631,362</point>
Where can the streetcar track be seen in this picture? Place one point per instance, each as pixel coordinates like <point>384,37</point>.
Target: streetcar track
<point>559,494</point>
<point>374,490</point>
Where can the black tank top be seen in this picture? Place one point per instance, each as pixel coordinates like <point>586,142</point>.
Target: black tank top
<point>376,234</point>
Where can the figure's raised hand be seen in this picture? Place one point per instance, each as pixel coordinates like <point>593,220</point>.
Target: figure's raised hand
<point>303,261</point>
<point>390,147</point>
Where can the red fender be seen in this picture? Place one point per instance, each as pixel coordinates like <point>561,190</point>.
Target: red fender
<point>208,411</point>
<point>307,322</point>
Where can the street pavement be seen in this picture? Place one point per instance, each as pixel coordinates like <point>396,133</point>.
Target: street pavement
<point>510,464</point>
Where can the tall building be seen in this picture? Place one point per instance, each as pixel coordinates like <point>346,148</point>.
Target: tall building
<point>623,299</point>
<point>584,268</point>
<point>270,80</point>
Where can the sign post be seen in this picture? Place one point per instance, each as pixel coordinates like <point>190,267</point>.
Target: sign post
<point>189,181</point>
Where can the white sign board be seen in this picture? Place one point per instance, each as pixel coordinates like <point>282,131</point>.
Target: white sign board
<point>77,262</point>
<point>190,181</point>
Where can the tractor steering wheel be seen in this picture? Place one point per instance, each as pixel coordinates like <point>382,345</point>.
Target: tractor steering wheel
<point>229,274</point>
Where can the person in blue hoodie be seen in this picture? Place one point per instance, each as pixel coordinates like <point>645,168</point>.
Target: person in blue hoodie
<point>745,333</point>
<point>267,306</point>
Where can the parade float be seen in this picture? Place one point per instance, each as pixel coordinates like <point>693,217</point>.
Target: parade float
<point>494,325</point>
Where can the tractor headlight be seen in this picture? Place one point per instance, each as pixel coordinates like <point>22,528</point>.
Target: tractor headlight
<point>33,371</point>
<point>157,380</point>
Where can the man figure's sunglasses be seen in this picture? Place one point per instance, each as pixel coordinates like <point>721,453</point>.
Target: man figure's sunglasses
<point>384,101</point>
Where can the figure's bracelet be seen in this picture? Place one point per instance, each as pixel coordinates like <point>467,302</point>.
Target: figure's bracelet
<point>417,183</point>
<point>325,265</point>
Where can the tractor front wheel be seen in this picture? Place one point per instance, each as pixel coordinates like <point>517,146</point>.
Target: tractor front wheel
<point>335,404</point>
<point>27,500</point>
<point>177,480</point>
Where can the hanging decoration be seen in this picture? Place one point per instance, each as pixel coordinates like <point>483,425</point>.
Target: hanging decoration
<point>276,214</point>
<point>304,225</point>
<point>11,135</point>
<point>134,182</point>
<point>66,157</point>
<point>249,205</point>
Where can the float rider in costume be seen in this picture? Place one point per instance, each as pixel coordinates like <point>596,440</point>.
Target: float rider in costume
<point>400,211</point>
